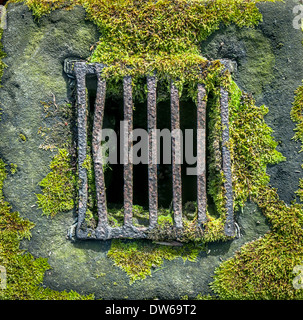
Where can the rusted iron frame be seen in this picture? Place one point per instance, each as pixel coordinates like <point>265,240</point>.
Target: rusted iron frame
<point>81,69</point>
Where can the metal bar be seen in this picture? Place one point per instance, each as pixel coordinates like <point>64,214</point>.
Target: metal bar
<point>128,166</point>
<point>97,152</point>
<point>201,155</point>
<point>152,157</point>
<point>176,156</point>
<point>80,72</point>
<point>229,228</point>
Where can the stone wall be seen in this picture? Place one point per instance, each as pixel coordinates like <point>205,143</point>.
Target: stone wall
<point>269,65</point>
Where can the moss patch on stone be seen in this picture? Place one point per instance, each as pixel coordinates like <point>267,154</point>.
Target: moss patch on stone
<point>24,272</point>
<point>140,37</point>
<point>263,269</point>
<point>138,259</point>
<point>252,146</point>
<point>2,55</point>
<point>58,186</point>
<point>297,116</point>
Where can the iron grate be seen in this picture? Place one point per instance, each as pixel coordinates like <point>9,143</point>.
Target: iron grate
<point>79,70</point>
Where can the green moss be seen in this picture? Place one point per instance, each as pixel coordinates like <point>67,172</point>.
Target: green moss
<point>2,55</point>
<point>263,269</point>
<point>166,230</point>
<point>22,137</point>
<point>200,297</point>
<point>58,186</point>
<point>168,42</point>
<point>297,116</point>
<point>252,146</point>
<point>24,272</point>
<point>141,259</point>
<point>13,168</point>
<point>139,37</point>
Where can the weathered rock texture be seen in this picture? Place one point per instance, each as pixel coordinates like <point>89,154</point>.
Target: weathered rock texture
<point>270,65</point>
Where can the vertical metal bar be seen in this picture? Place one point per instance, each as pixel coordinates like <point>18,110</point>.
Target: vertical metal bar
<point>229,228</point>
<point>97,151</point>
<point>152,157</point>
<point>176,156</point>
<point>201,155</point>
<point>80,72</point>
<point>128,166</point>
